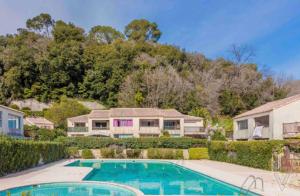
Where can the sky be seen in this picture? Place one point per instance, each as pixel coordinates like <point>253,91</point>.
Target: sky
<point>271,27</point>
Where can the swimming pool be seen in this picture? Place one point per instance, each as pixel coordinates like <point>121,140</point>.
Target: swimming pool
<point>156,177</point>
<point>68,189</point>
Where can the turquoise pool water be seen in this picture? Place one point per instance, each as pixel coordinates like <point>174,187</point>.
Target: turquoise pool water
<point>69,189</point>
<point>157,178</point>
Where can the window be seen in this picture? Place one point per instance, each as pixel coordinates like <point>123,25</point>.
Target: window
<point>101,124</point>
<point>14,122</point>
<point>0,119</point>
<point>79,124</point>
<point>262,121</point>
<point>171,124</point>
<point>149,123</point>
<point>242,124</point>
<point>123,123</point>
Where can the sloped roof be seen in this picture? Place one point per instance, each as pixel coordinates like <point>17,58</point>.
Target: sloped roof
<point>189,117</point>
<point>270,106</point>
<point>133,112</point>
<point>8,108</point>
<point>82,118</point>
<point>38,120</point>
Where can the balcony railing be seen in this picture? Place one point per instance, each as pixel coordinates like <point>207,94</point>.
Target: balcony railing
<point>77,129</point>
<point>194,130</point>
<point>14,132</point>
<point>171,127</point>
<point>100,128</point>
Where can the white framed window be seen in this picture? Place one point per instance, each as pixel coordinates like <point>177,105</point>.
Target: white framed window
<point>242,124</point>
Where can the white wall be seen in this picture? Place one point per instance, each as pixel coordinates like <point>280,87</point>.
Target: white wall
<point>286,114</point>
<point>5,111</point>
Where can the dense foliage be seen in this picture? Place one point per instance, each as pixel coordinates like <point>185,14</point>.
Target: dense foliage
<point>49,58</point>
<point>132,143</point>
<point>87,154</point>
<point>164,153</point>
<point>257,154</point>
<point>42,134</point>
<point>17,155</point>
<point>198,153</point>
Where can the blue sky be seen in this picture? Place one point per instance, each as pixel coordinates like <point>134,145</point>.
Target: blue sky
<point>271,27</point>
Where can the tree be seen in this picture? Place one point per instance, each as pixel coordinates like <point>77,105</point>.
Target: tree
<point>66,32</point>
<point>104,34</point>
<point>142,30</point>
<point>66,108</point>
<point>241,54</point>
<point>41,23</point>
<point>202,112</point>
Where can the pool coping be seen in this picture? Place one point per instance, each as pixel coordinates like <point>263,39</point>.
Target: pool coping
<point>134,190</point>
<point>225,172</point>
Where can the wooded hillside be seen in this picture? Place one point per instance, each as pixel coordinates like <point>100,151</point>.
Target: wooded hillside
<point>50,58</point>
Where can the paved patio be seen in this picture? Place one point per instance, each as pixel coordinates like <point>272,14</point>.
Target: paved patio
<point>234,174</point>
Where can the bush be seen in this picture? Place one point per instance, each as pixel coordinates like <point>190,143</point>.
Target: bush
<point>133,143</point>
<point>119,153</point>
<point>73,152</point>
<point>218,136</point>
<point>198,153</point>
<point>133,153</point>
<point>17,155</point>
<point>165,153</point>
<point>107,152</point>
<point>87,154</point>
<point>42,134</point>
<point>257,154</point>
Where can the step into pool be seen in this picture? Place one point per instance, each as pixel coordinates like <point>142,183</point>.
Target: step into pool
<point>156,177</point>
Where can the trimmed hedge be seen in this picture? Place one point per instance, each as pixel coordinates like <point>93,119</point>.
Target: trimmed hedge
<point>132,143</point>
<point>257,154</point>
<point>165,153</point>
<point>198,153</point>
<point>87,154</point>
<point>17,155</point>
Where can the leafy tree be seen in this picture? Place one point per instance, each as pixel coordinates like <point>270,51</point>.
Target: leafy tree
<point>66,108</point>
<point>218,136</point>
<point>66,32</point>
<point>104,34</point>
<point>202,112</point>
<point>41,23</point>
<point>142,30</point>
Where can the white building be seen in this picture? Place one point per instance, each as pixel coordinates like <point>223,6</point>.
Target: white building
<point>40,122</point>
<point>135,122</point>
<point>274,120</point>
<point>11,121</point>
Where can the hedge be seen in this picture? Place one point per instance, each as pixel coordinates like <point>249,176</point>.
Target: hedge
<point>198,153</point>
<point>165,153</point>
<point>17,155</point>
<point>87,154</point>
<point>257,154</point>
<point>132,143</point>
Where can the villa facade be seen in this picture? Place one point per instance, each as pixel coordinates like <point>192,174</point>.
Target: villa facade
<point>11,121</point>
<point>274,120</point>
<point>136,122</point>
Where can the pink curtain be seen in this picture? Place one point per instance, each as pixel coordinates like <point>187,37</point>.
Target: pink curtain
<point>123,122</point>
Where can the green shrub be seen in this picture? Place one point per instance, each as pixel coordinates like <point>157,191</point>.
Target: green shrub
<point>73,152</point>
<point>119,153</point>
<point>218,136</point>
<point>257,154</point>
<point>198,153</point>
<point>107,152</point>
<point>133,153</point>
<point>165,153</point>
<point>87,154</point>
<point>17,155</point>
<point>133,143</point>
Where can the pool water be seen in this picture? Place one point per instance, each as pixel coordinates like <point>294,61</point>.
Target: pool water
<point>68,189</point>
<point>157,178</point>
